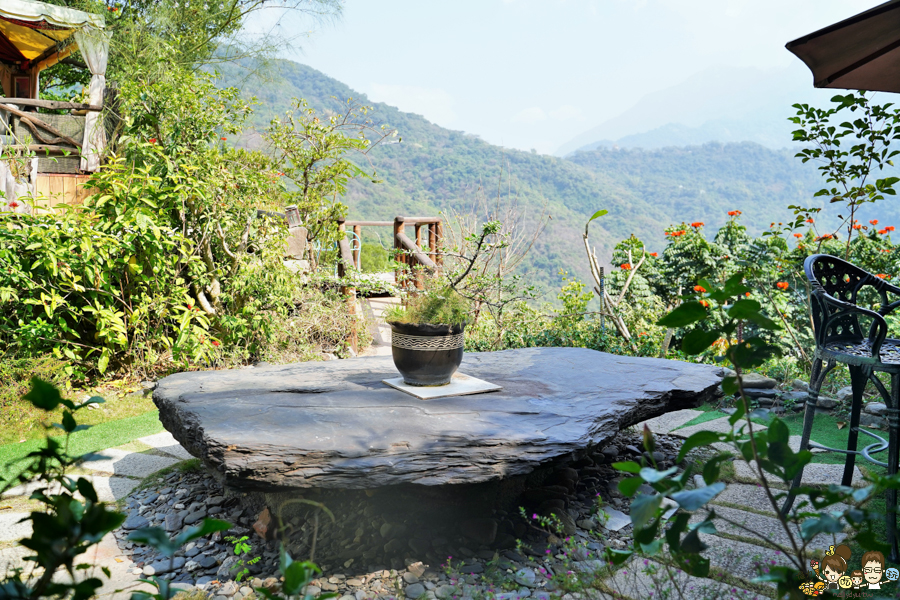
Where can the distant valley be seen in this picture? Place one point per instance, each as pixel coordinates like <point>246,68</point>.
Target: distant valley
<point>645,190</point>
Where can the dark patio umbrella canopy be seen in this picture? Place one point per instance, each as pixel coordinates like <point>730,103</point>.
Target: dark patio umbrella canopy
<point>859,53</point>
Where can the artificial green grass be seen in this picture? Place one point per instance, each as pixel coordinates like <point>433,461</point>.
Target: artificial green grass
<point>98,437</point>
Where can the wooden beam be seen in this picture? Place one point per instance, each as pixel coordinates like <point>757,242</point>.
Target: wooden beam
<point>31,122</point>
<point>51,104</point>
<point>369,223</point>
<point>415,251</point>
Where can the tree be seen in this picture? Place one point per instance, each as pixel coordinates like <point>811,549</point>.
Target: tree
<point>850,170</point>
<point>158,34</point>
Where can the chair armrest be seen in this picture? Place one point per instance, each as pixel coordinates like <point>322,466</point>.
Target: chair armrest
<point>882,285</point>
<point>878,331</point>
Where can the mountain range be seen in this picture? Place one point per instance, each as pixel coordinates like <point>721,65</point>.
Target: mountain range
<point>437,170</point>
<point>721,104</point>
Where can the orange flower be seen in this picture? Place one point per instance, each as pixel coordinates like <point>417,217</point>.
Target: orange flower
<point>798,235</point>
<point>747,294</point>
<point>882,231</point>
<point>223,139</point>
<point>873,222</point>
<point>810,220</point>
<point>699,288</point>
<point>654,254</point>
<point>782,285</point>
<point>697,224</point>
<point>732,213</point>
<point>152,140</point>
<point>883,275</point>
<point>889,228</point>
<point>215,343</point>
<point>857,227</point>
<point>626,266</point>
<point>704,303</point>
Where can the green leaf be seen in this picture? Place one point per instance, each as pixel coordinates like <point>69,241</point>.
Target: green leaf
<point>701,438</point>
<point>156,538</point>
<point>597,214</point>
<point>698,340</point>
<point>630,485</point>
<point>617,557</point>
<point>207,527</point>
<point>86,489</point>
<point>685,314</point>
<point>712,468</point>
<point>652,475</point>
<point>744,309</point>
<point>297,577</point>
<point>778,432</point>
<point>104,361</point>
<point>644,508</point>
<point>730,386</point>
<point>691,500</point>
<point>68,422</point>
<point>824,523</point>
<point>43,395</point>
<point>628,467</point>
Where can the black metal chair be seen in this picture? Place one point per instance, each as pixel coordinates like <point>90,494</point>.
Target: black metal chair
<point>838,320</point>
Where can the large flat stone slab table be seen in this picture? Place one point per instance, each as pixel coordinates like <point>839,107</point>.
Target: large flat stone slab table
<point>336,425</point>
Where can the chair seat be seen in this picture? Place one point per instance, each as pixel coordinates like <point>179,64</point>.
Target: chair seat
<point>890,352</point>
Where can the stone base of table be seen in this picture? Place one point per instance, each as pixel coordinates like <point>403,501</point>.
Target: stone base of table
<point>336,425</point>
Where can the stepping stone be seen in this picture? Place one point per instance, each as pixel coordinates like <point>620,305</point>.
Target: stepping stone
<point>10,528</point>
<point>744,524</point>
<point>666,423</point>
<point>720,425</point>
<point>638,580</point>
<point>110,489</point>
<point>754,497</point>
<point>740,559</point>
<point>12,557</point>
<point>813,474</point>
<point>793,444</point>
<point>121,462</point>
<point>165,442</point>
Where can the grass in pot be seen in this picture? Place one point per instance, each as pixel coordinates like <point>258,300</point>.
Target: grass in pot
<point>427,336</point>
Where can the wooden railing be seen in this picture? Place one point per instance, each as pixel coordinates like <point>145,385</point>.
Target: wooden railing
<point>409,252</point>
<point>47,138</point>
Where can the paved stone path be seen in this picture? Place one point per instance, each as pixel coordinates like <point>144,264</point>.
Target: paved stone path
<point>116,473</point>
<point>742,510</point>
<point>736,555</point>
<point>374,309</point>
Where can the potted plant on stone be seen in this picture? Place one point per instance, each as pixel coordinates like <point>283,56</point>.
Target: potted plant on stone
<point>427,331</point>
<point>427,335</point>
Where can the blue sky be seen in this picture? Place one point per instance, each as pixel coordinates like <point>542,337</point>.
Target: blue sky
<point>534,74</point>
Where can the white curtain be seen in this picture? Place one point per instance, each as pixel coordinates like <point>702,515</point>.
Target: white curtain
<point>94,46</point>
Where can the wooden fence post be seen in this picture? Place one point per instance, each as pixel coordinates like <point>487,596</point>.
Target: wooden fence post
<point>398,248</point>
<point>438,243</point>
<point>357,231</point>
<point>420,281</point>
<point>345,255</point>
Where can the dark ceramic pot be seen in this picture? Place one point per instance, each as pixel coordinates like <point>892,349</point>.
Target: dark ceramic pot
<point>426,354</point>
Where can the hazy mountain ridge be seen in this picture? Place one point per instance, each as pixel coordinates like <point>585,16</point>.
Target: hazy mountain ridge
<point>436,169</point>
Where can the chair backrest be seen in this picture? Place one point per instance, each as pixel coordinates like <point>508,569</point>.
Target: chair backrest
<point>841,280</point>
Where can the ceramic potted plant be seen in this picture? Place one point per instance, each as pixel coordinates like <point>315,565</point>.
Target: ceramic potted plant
<point>427,336</point>
<point>427,332</point>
